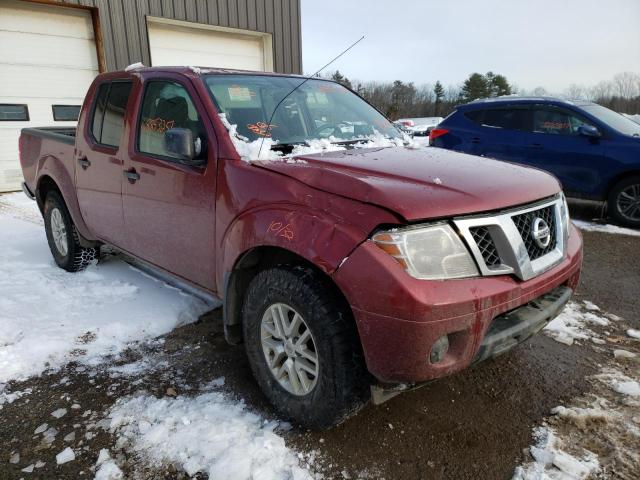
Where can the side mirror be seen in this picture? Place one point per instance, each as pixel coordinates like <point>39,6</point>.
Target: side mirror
<point>180,143</point>
<point>589,131</point>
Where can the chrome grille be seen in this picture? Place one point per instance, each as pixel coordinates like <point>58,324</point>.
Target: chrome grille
<point>502,243</point>
<point>482,237</point>
<point>524,224</point>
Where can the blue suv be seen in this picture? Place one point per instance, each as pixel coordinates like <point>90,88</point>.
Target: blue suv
<point>594,151</point>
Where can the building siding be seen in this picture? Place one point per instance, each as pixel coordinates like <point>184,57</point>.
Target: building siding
<point>124,30</point>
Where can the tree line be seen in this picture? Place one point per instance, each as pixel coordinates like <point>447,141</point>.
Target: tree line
<point>399,99</point>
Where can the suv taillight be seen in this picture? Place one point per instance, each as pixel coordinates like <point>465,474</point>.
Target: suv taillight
<point>437,132</point>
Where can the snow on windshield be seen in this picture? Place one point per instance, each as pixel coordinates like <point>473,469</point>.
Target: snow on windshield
<point>262,148</point>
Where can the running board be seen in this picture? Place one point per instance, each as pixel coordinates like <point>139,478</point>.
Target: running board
<point>167,278</point>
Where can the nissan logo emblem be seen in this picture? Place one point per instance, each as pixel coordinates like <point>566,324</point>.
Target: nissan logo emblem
<point>540,232</point>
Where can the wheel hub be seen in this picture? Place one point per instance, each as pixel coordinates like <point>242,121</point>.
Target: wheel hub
<point>289,349</point>
<point>628,202</point>
<point>59,232</point>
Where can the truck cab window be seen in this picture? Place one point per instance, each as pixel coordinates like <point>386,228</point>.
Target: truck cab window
<point>108,113</point>
<point>167,105</point>
<point>113,123</point>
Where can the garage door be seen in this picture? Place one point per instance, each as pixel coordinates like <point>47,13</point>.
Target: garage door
<point>184,43</point>
<point>47,62</point>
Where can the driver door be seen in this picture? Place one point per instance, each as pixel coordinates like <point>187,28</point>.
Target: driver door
<point>169,207</point>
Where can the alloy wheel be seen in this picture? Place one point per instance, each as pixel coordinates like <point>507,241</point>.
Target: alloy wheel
<point>59,232</point>
<point>628,202</point>
<point>289,349</point>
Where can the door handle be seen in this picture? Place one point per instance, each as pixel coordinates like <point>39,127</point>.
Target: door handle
<point>536,145</point>
<point>131,175</point>
<point>476,140</point>
<point>84,162</point>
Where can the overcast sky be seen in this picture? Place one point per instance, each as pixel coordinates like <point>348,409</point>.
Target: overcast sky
<point>549,43</point>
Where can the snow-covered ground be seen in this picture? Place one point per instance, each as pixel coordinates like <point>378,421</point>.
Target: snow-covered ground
<point>605,228</point>
<point>575,442</point>
<point>49,317</point>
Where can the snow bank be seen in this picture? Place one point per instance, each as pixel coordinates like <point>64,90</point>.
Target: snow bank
<point>551,462</point>
<point>619,382</point>
<point>573,323</point>
<point>605,228</point>
<point>209,433</point>
<point>50,317</point>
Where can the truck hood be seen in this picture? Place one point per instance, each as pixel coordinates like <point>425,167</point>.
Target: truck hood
<point>419,184</point>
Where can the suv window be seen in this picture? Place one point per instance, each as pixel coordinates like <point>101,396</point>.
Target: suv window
<point>108,113</point>
<point>556,122</point>
<point>167,105</point>
<point>507,118</point>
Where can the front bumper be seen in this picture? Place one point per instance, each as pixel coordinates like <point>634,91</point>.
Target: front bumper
<point>399,318</point>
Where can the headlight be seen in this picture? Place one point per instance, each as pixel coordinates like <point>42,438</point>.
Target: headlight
<point>431,253</point>
<point>564,215</point>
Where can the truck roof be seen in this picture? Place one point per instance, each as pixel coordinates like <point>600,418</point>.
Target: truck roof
<point>199,70</point>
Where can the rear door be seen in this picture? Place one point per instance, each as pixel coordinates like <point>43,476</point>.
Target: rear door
<point>169,207</point>
<point>501,133</point>
<point>99,162</point>
<point>555,145</point>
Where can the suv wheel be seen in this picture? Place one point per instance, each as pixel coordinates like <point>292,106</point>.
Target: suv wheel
<point>63,238</point>
<point>624,202</point>
<point>303,347</point>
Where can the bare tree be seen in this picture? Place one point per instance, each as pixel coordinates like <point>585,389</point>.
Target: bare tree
<point>626,84</point>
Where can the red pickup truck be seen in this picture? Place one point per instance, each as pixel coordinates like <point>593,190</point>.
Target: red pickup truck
<point>351,265</point>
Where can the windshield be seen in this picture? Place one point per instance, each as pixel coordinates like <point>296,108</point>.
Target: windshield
<point>616,121</point>
<point>317,110</point>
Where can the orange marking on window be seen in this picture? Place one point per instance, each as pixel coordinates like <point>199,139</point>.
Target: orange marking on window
<point>158,124</point>
<point>261,129</point>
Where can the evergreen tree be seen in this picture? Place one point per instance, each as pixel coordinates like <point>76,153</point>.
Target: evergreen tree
<point>475,87</point>
<point>341,79</point>
<point>438,91</point>
<point>497,85</point>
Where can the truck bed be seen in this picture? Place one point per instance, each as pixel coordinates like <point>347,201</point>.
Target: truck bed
<point>55,144</point>
<point>60,134</point>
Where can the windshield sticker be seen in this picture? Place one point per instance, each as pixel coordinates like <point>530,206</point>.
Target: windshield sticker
<point>158,124</point>
<point>240,94</point>
<point>261,129</point>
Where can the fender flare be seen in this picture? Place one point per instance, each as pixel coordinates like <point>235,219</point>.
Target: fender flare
<point>50,166</point>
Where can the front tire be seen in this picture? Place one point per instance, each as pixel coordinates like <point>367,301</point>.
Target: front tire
<point>303,347</point>
<point>62,236</point>
<point>624,202</point>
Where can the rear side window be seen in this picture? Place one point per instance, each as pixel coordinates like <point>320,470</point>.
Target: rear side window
<point>108,116</point>
<point>507,118</point>
<point>474,116</point>
<point>98,111</point>
<point>167,105</point>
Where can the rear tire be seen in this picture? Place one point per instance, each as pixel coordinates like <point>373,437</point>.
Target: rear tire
<point>62,236</point>
<point>624,202</point>
<point>330,382</point>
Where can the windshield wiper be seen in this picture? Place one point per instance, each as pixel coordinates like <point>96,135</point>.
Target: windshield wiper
<point>285,147</point>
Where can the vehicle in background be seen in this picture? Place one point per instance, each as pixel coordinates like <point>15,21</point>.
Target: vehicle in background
<point>403,128</point>
<point>350,270</point>
<point>420,127</point>
<point>594,151</point>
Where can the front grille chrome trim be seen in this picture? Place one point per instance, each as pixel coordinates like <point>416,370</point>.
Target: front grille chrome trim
<point>508,241</point>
